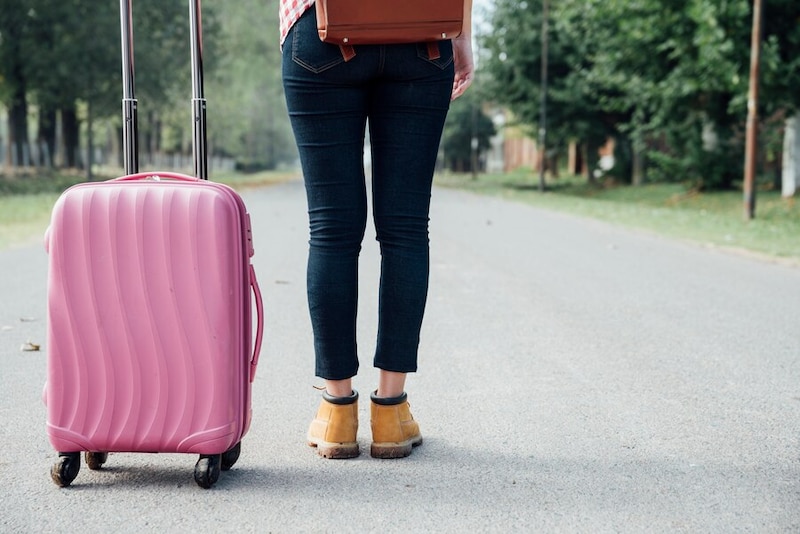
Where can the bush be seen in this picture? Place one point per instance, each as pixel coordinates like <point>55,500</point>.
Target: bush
<point>29,184</point>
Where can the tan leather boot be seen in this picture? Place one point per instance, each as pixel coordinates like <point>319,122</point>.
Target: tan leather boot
<point>333,431</point>
<point>394,431</point>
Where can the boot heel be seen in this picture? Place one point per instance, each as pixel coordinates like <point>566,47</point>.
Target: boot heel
<point>394,431</point>
<point>333,431</point>
<point>387,451</point>
<point>336,451</point>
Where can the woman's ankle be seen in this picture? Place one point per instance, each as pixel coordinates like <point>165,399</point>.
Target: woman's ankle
<point>391,384</point>
<point>339,388</point>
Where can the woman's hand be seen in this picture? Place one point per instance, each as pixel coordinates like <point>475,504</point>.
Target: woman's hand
<point>464,64</point>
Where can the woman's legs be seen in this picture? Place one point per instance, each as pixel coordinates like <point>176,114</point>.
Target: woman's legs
<point>391,384</point>
<point>339,388</point>
<point>406,98</point>
<point>407,109</point>
<point>327,107</point>
<point>405,95</point>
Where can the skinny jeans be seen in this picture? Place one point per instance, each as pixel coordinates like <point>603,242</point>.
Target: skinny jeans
<point>404,96</point>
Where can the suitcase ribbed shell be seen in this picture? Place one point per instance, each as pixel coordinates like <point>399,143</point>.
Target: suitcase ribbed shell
<point>149,319</point>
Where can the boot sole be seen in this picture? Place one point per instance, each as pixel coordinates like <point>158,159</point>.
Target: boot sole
<point>387,451</point>
<point>336,451</point>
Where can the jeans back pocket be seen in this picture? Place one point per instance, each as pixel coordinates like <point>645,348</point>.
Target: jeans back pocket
<point>445,53</point>
<point>307,49</point>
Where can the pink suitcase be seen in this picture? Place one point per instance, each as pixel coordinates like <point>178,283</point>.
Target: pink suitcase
<point>149,335</point>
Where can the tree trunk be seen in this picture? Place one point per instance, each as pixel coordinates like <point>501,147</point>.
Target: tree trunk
<point>18,128</point>
<point>575,158</point>
<point>70,128</point>
<point>117,155</point>
<point>146,133</point>
<point>15,83</point>
<point>89,143</point>
<point>639,158</point>
<point>553,166</point>
<point>47,137</point>
<point>791,158</point>
<point>592,157</point>
<point>637,177</point>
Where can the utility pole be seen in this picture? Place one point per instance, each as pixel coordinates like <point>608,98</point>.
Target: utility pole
<point>543,96</point>
<point>751,140</point>
<point>473,142</point>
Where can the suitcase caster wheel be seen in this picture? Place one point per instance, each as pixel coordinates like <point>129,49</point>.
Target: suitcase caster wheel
<point>206,470</point>
<point>66,468</point>
<point>95,460</point>
<point>230,456</point>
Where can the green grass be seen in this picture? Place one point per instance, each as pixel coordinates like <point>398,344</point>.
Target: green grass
<point>671,210</point>
<point>24,218</point>
<point>27,200</point>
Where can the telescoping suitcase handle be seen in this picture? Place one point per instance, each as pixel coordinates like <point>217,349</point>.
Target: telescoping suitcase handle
<point>199,137</point>
<point>130,126</point>
<point>130,123</point>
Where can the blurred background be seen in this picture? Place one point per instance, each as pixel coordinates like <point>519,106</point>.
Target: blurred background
<point>580,96</point>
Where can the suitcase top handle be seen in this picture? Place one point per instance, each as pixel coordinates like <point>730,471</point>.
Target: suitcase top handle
<point>155,175</point>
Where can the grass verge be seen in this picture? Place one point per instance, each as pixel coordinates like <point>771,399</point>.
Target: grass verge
<point>26,201</point>
<point>715,219</point>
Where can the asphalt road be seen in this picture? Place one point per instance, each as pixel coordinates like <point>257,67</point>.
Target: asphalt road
<point>574,377</point>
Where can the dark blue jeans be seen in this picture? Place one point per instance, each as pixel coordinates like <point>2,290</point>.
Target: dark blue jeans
<point>405,97</point>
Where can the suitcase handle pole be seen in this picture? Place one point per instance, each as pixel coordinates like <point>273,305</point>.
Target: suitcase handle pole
<point>130,151</point>
<point>130,122</point>
<point>199,135</point>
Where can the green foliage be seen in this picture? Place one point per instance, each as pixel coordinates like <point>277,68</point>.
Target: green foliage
<point>466,121</point>
<point>52,183</point>
<point>71,50</point>
<point>513,57</point>
<point>69,54</point>
<point>65,55</point>
<point>671,75</point>
<point>246,106</point>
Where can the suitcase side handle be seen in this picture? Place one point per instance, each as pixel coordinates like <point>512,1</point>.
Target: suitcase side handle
<point>260,328</point>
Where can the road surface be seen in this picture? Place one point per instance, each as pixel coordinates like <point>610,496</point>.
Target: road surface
<point>574,377</point>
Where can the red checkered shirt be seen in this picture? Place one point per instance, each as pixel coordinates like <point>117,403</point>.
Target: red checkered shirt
<point>290,12</point>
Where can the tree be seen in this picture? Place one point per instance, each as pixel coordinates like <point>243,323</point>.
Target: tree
<point>71,61</point>
<point>513,65</point>
<point>14,24</point>
<point>248,117</point>
<point>60,59</point>
<point>658,75</point>
<point>465,122</point>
